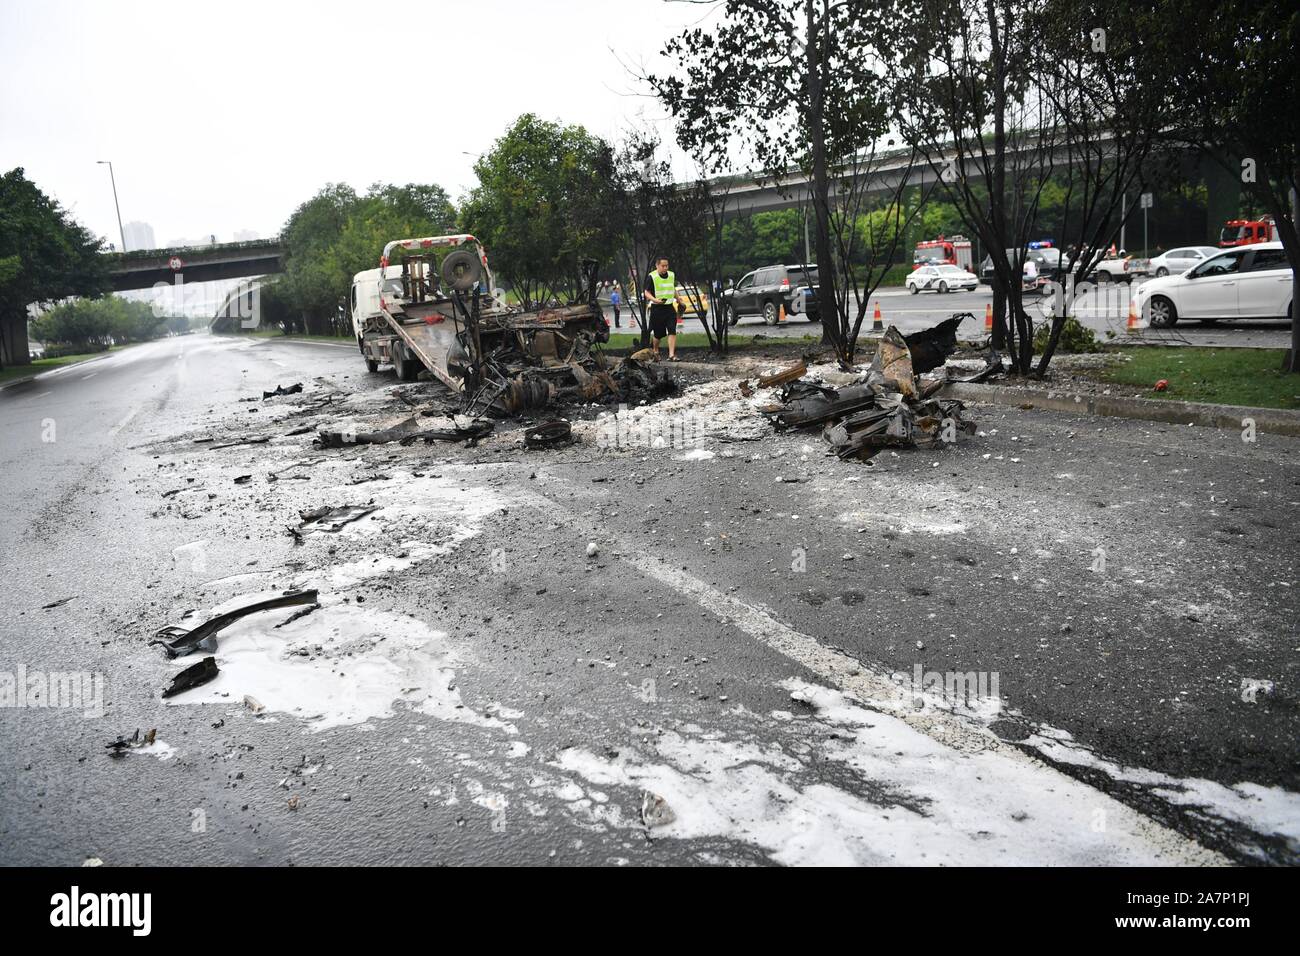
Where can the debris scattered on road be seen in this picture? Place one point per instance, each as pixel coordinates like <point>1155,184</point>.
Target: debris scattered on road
<point>796,371</point>
<point>122,744</point>
<point>281,390</point>
<point>655,811</point>
<point>59,603</point>
<point>331,520</point>
<point>1162,385</point>
<point>260,440</point>
<point>196,675</point>
<point>550,434</point>
<point>243,479</point>
<point>593,549</point>
<point>888,407</point>
<point>1252,687</point>
<point>297,615</point>
<point>253,704</point>
<point>178,641</point>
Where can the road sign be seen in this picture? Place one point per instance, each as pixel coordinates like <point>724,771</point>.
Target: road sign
<point>1148,200</point>
<point>175,263</point>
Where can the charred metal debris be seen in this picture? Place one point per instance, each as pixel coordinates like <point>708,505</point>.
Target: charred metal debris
<point>178,641</point>
<point>516,363</point>
<point>889,407</point>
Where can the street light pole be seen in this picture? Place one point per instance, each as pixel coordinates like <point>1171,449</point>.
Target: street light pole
<point>113,179</point>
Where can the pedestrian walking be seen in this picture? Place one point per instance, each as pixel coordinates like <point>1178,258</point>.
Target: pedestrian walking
<point>661,292</point>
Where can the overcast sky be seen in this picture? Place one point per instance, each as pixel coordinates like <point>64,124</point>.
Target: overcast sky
<point>223,116</point>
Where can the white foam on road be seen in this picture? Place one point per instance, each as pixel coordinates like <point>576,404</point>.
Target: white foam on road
<point>340,665</point>
<point>912,800</point>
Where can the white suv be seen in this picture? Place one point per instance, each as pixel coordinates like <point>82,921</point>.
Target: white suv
<point>1248,282</point>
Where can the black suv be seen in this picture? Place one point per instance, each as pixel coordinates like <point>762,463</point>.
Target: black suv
<point>764,291</point>
<point>1049,261</point>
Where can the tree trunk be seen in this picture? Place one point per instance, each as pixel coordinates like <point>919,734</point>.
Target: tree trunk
<point>827,301</point>
<point>997,195</point>
<point>14,347</point>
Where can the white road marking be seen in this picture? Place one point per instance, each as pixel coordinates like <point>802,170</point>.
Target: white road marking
<point>91,375</point>
<point>126,418</point>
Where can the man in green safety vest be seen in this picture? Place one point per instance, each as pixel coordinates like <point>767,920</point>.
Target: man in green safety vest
<point>661,292</point>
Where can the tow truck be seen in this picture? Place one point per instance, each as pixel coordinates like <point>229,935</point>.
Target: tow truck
<point>431,305</point>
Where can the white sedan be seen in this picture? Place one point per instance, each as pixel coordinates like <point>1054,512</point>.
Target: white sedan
<point>1248,282</point>
<point>1177,261</point>
<point>940,278</point>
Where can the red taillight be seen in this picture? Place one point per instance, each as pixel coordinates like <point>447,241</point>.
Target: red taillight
<point>785,283</point>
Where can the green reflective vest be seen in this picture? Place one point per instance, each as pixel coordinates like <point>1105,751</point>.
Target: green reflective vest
<point>665,286</point>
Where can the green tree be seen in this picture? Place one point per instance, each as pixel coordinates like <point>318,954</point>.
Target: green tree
<point>1234,87</point>
<point>542,204</point>
<point>45,255</point>
<point>336,234</point>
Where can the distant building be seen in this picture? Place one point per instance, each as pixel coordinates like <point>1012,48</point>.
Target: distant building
<point>139,235</point>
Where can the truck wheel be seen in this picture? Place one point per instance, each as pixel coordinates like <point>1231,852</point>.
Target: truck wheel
<point>372,365</point>
<point>407,368</point>
<point>770,313</point>
<point>1162,312</point>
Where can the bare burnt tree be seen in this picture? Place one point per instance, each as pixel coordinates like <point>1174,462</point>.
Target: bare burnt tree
<point>798,88</point>
<point>989,135</point>
<point>1107,87</point>
<point>656,216</point>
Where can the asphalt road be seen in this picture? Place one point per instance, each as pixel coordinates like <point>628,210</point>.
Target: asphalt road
<point>516,647</point>
<point>1103,310</point>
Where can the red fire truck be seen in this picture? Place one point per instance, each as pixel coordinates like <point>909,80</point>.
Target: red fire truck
<point>1242,232</point>
<point>955,251</point>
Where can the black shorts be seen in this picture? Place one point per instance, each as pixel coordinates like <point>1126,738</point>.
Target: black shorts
<point>663,321</point>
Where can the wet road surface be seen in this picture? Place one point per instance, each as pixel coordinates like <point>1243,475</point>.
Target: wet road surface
<point>516,648</point>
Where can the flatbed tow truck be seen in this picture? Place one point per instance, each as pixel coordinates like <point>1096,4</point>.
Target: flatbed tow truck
<point>435,308</point>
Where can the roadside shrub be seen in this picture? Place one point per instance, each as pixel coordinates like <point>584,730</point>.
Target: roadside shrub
<point>61,349</point>
<point>1075,337</point>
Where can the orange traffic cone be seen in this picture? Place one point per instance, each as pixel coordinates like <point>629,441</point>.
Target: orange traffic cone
<point>876,324</point>
<point>988,318</point>
<point>781,318</point>
<point>1134,324</point>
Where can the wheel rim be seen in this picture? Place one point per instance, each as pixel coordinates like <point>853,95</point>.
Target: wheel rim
<point>769,314</point>
<point>943,287</point>
<point>1160,313</point>
<point>1162,272</point>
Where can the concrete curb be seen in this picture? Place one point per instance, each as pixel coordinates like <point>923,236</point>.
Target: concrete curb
<point>1278,421</point>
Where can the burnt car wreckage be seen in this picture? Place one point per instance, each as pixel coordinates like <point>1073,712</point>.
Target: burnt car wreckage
<point>888,407</point>
<point>436,309</point>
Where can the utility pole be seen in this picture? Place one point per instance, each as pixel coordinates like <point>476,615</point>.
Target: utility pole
<point>113,179</point>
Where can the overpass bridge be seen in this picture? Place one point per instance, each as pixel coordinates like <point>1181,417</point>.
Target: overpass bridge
<point>145,268</point>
